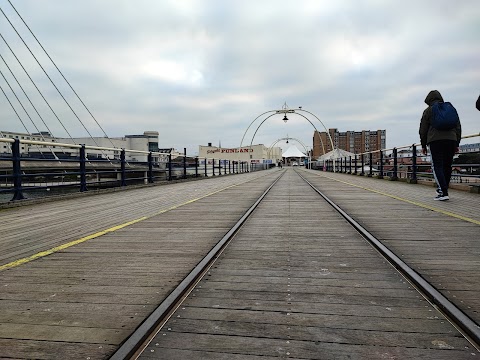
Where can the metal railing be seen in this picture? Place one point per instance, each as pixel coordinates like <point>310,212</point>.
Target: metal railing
<point>404,162</point>
<point>71,169</point>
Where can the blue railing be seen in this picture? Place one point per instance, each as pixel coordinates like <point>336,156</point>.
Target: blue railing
<point>44,173</point>
<point>405,162</point>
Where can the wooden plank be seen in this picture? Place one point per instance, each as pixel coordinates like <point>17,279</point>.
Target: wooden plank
<point>281,289</point>
<point>444,249</point>
<point>98,292</point>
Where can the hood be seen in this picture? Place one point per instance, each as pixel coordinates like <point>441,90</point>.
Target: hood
<point>433,96</point>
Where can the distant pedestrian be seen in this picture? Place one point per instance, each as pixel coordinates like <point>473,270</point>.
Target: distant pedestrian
<point>441,131</point>
<point>477,104</point>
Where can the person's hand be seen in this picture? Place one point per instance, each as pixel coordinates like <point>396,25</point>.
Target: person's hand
<point>424,151</point>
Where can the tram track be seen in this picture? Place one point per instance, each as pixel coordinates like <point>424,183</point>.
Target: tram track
<point>133,347</point>
<point>456,316</point>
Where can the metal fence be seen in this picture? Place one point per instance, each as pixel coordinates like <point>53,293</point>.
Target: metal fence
<point>48,172</point>
<point>405,162</point>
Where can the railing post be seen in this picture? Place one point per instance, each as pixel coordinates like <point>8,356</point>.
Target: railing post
<point>205,166</point>
<point>395,166</point>
<point>83,169</point>
<point>150,168</point>
<point>196,166</point>
<point>213,167</point>
<point>350,164</point>
<point>17,171</point>
<point>371,165</point>
<point>413,179</point>
<point>184,163</point>
<point>123,162</point>
<point>380,175</point>
<point>170,167</point>
<point>224,167</point>
<point>355,164</point>
<point>362,173</point>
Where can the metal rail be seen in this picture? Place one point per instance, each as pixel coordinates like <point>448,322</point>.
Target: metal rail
<point>470,328</point>
<point>145,333</point>
<point>148,329</point>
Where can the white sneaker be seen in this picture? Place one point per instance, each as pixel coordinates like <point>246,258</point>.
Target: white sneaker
<point>441,197</point>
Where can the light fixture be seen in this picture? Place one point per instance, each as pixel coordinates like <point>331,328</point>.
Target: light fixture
<point>285,118</point>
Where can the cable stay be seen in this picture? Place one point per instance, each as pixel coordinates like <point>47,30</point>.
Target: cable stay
<point>31,103</point>
<point>36,87</point>
<point>19,118</point>
<point>51,81</point>
<point>45,51</point>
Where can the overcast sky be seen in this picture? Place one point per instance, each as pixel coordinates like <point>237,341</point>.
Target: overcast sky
<point>202,71</point>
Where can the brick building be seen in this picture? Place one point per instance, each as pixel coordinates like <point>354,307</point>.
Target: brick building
<point>356,142</point>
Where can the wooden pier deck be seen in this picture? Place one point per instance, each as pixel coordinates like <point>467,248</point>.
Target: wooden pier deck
<point>296,282</point>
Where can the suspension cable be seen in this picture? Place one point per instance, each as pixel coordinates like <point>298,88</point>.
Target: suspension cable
<point>19,118</point>
<point>26,112</point>
<point>31,103</point>
<point>51,81</point>
<point>85,106</point>
<point>36,87</point>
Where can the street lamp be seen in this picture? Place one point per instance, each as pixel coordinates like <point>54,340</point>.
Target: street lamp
<point>285,119</point>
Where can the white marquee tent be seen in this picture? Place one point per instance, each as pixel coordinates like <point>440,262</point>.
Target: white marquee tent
<point>293,152</point>
<point>335,154</point>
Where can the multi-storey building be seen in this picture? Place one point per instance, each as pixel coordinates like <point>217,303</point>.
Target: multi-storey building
<point>356,142</point>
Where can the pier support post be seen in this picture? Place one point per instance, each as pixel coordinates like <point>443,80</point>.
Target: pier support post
<point>170,167</point>
<point>395,166</point>
<point>184,163</point>
<point>370,174</point>
<point>362,173</point>
<point>17,171</point>
<point>150,168</point>
<point>413,178</point>
<point>83,169</point>
<point>380,175</point>
<point>123,163</point>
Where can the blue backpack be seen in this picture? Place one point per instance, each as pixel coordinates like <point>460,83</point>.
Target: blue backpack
<point>444,116</point>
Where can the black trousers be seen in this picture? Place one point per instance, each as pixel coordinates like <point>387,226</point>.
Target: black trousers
<point>442,152</point>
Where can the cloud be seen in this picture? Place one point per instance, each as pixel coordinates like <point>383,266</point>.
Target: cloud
<point>201,71</point>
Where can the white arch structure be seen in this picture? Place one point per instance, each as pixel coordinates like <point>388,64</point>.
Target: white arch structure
<point>289,138</point>
<point>285,110</point>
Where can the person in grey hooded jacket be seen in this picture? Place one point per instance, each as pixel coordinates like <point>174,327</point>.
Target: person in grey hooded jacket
<point>443,145</point>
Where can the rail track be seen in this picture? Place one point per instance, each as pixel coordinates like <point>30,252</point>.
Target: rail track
<point>142,340</point>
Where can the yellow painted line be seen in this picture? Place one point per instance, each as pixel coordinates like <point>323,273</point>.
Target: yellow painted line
<point>67,245</point>
<point>425,206</point>
<point>103,232</point>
